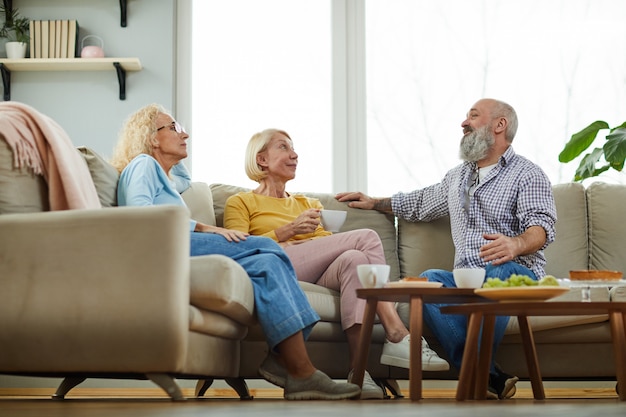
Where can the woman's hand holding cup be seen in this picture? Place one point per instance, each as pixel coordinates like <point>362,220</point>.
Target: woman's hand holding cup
<point>306,222</point>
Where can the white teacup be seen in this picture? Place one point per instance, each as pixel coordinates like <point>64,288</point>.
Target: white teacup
<point>469,277</point>
<point>332,220</point>
<point>373,275</point>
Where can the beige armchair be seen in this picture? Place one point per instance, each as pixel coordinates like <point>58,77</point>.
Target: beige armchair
<point>112,292</point>
<point>106,293</point>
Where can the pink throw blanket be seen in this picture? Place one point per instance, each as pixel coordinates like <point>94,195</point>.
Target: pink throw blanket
<point>38,142</point>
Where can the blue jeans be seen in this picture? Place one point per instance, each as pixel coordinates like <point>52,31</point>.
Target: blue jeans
<point>279,302</point>
<point>451,329</point>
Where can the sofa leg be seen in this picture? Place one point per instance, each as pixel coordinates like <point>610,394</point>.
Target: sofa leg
<point>202,385</point>
<point>239,385</point>
<point>66,385</point>
<point>168,384</point>
<point>390,385</point>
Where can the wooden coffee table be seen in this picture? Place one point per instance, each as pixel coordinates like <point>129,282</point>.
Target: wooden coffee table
<point>476,362</point>
<point>416,296</point>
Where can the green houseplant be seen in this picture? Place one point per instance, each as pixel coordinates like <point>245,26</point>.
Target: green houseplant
<point>599,160</point>
<point>15,30</point>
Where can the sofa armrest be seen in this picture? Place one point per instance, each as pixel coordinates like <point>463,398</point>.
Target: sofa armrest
<point>221,285</point>
<point>102,290</point>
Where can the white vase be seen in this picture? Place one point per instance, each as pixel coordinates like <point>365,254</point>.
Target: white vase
<point>16,50</point>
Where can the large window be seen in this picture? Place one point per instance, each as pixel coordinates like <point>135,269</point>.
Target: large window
<point>560,63</point>
<point>270,63</point>
<point>257,65</point>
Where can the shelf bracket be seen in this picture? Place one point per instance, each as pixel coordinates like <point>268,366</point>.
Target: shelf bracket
<point>122,12</point>
<point>6,81</point>
<point>8,6</point>
<point>121,78</point>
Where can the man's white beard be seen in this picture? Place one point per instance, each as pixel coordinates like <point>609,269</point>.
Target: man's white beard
<point>476,145</point>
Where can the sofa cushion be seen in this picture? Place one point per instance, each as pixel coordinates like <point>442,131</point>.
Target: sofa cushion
<point>220,284</point>
<point>21,191</point>
<point>323,300</point>
<point>606,228</point>
<point>104,176</point>
<point>221,192</point>
<point>571,243</point>
<point>383,224</point>
<point>199,200</point>
<point>215,324</point>
<point>425,245</point>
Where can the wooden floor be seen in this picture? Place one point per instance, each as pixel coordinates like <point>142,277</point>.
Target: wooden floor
<point>97,402</point>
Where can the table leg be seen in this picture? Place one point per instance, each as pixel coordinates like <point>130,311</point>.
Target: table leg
<point>484,358</point>
<point>528,343</point>
<point>365,339</point>
<point>470,354</point>
<point>616,319</point>
<point>415,357</point>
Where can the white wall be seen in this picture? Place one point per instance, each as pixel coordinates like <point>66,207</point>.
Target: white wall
<point>86,104</point>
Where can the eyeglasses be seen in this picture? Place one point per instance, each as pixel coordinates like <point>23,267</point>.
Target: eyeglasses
<point>174,127</point>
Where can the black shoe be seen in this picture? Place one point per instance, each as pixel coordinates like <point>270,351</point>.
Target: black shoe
<point>501,385</point>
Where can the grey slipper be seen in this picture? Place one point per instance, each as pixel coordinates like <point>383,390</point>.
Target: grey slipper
<point>272,371</point>
<point>319,387</point>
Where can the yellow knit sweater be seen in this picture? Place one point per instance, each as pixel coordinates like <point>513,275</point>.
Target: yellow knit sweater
<point>260,215</point>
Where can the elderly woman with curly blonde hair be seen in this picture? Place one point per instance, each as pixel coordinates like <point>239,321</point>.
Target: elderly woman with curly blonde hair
<point>150,145</point>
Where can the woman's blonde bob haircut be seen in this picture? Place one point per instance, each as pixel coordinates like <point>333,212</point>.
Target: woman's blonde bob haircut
<point>137,135</point>
<point>257,144</point>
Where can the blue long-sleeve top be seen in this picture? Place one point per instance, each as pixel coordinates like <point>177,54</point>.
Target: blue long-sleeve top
<point>144,183</point>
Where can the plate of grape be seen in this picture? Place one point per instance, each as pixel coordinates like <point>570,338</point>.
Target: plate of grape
<point>521,288</point>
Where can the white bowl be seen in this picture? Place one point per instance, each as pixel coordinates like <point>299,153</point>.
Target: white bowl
<point>469,277</point>
<point>332,220</point>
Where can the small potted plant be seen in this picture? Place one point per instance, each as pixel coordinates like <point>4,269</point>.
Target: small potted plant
<point>15,30</point>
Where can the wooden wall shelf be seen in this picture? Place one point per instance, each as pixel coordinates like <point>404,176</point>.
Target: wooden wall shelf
<point>120,65</point>
<point>8,5</point>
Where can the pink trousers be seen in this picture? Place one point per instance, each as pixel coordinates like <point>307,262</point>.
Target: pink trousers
<point>331,262</point>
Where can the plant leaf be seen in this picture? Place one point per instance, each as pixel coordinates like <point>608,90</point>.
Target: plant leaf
<point>581,141</point>
<point>615,148</point>
<point>587,167</point>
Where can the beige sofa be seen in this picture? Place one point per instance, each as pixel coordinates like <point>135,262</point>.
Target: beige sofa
<point>589,233</point>
<point>111,293</point>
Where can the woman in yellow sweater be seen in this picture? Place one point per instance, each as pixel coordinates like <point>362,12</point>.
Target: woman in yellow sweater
<point>317,255</point>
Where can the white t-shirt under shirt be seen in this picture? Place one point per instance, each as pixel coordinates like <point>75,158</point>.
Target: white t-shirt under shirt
<point>482,174</point>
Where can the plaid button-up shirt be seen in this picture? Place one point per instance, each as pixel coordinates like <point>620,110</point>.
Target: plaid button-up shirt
<point>515,195</point>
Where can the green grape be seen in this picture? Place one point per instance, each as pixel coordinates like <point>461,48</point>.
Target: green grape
<point>494,283</point>
<point>549,280</point>
<point>515,280</point>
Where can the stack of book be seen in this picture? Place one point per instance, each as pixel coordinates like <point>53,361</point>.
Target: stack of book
<point>53,38</point>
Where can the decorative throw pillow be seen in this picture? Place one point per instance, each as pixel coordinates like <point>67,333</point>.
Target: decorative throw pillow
<point>199,200</point>
<point>21,191</point>
<point>104,176</point>
<point>220,193</point>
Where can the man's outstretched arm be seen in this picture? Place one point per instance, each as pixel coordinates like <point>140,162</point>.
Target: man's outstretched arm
<point>362,201</point>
